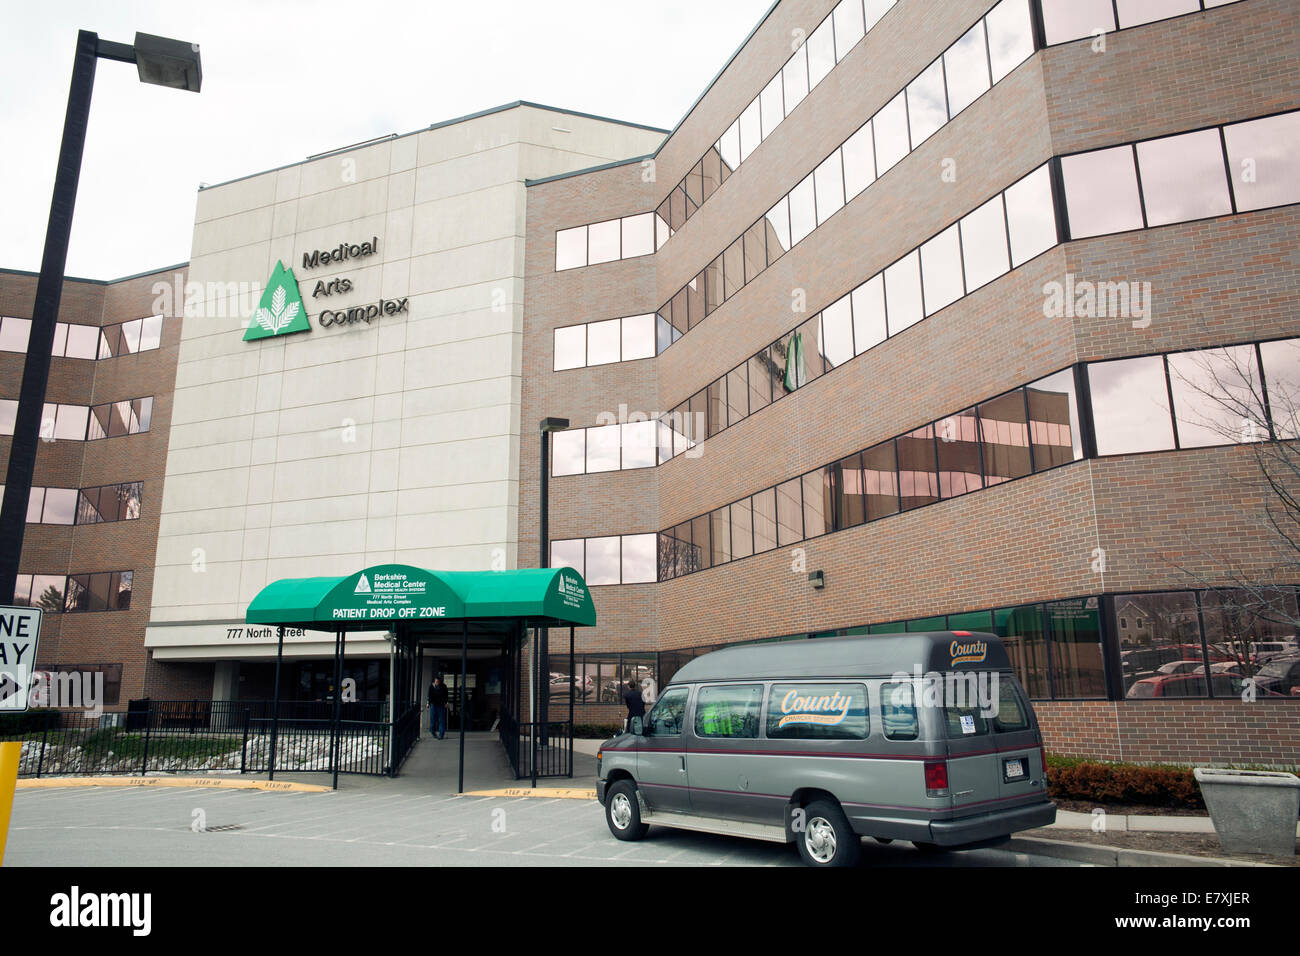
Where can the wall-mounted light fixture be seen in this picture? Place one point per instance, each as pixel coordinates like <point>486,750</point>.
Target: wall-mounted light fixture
<point>817,579</point>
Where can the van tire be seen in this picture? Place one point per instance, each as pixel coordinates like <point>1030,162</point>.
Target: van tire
<point>827,839</point>
<point>621,807</point>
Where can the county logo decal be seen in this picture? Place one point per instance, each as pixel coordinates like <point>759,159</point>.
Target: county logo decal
<point>828,710</point>
<point>973,652</point>
<point>281,311</point>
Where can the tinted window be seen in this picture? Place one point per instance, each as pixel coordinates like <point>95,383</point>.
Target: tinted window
<point>1005,436</point>
<point>1011,36</point>
<point>570,347</point>
<point>869,314</point>
<point>1282,379</point>
<point>927,107</point>
<point>731,711</point>
<point>638,558</point>
<point>1054,420</point>
<point>1183,177</point>
<point>1031,215</point>
<point>669,714</point>
<point>880,480</point>
<point>1101,192</point>
<point>1264,156</point>
<point>984,244</point>
<point>794,79</point>
<point>903,293</point>
<point>918,483</point>
<point>898,711</point>
<point>1214,396</point>
<point>1066,20</point>
<point>890,128</point>
<point>959,454</point>
<point>1130,405</point>
<point>817,712</point>
<point>941,270</point>
<point>1011,713</point>
<point>966,66</point>
<point>764,521</point>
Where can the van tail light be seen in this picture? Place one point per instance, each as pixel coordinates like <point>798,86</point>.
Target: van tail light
<point>936,778</point>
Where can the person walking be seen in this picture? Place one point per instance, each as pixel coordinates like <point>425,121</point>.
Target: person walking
<point>635,703</point>
<point>438,708</point>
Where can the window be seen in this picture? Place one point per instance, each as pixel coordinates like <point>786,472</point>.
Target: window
<point>829,178</point>
<point>1282,379</point>
<point>733,262</point>
<point>821,52</point>
<point>729,146</point>
<point>751,130</point>
<point>794,79</point>
<point>789,512</point>
<point>1163,646</point>
<point>850,499</point>
<point>14,334</point>
<point>778,230</point>
<point>638,558</point>
<point>638,337</point>
<point>959,454</point>
<point>669,714</point>
<point>817,712</point>
<point>737,394</point>
<point>1135,12</point>
<point>1011,714</point>
<point>1031,215</point>
<point>1101,192</point>
<point>1005,436</point>
<point>941,270</point>
<point>151,333</point>
<point>890,128</point>
<point>83,342</point>
<point>639,444</point>
<point>848,27</point>
<point>898,711</point>
<point>869,314</point>
<point>602,561</point>
<point>875,9</point>
<point>1011,36</point>
<point>903,292</point>
<point>603,241</point>
<point>880,480</point>
<point>1264,156</point>
<point>918,483</point>
<point>817,511</point>
<point>859,161</point>
<point>1021,631</point>
<point>837,332</point>
<point>755,250</point>
<point>70,424</point>
<point>771,105</point>
<point>984,244</point>
<point>760,380</point>
<point>729,711</point>
<point>803,210</point>
<point>570,347</point>
<point>742,530</point>
<point>569,554</point>
<point>1074,630</point>
<point>603,448</point>
<point>604,340</point>
<point>570,248</point>
<point>764,520</point>
<point>1054,420</point>
<point>1183,178</point>
<point>927,105</point>
<point>1130,405</point>
<point>60,506</point>
<point>638,235</point>
<point>1065,20</point>
<point>1216,397</point>
<point>720,536</point>
<point>569,452</point>
<point>966,67</point>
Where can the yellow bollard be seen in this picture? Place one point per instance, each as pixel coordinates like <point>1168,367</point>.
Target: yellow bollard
<point>10,752</point>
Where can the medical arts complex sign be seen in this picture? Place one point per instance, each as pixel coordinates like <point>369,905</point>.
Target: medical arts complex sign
<point>282,312</point>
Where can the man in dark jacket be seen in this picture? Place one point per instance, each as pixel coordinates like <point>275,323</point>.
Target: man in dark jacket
<point>438,708</point>
<point>635,703</point>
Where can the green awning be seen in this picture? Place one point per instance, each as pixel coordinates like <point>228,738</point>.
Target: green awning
<point>387,594</point>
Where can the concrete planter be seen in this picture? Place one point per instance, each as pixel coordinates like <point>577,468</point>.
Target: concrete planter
<point>1253,811</point>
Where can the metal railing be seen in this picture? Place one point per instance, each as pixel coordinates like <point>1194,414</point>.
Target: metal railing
<point>215,737</point>
<point>552,756</point>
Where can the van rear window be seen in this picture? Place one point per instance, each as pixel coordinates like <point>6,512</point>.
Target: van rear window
<point>898,711</point>
<point>817,712</point>
<point>1011,714</point>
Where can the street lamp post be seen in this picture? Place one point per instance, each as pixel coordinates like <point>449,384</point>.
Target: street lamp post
<point>159,61</point>
<point>542,655</point>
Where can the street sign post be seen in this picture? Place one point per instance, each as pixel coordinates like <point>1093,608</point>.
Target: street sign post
<point>19,629</point>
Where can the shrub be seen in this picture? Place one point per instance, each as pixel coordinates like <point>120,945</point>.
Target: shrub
<point>1070,778</point>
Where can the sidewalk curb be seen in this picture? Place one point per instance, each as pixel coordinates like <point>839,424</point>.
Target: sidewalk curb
<point>214,783</point>
<point>1105,856</point>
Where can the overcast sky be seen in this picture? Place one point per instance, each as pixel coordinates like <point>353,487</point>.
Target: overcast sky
<point>283,80</point>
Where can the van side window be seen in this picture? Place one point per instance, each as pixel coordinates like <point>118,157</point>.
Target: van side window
<point>669,713</point>
<point>898,711</point>
<point>1011,715</point>
<point>817,712</point>
<point>728,711</point>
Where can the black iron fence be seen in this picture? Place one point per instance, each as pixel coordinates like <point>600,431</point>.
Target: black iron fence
<point>214,737</point>
<point>547,747</point>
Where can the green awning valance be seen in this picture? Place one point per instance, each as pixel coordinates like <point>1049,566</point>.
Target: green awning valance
<point>381,596</point>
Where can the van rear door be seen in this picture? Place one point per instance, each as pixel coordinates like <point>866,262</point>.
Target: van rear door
<point>1019,745</point>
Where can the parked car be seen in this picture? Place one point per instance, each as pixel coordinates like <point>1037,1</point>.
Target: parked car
<point>1281,675</point>
<point>753,742</point>
<point>582,686</point>
<point>1181,667</point>
<point>1193,685</point>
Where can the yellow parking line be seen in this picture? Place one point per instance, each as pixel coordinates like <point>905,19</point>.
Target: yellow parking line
<point>213,782</point>
<point>562,793</point>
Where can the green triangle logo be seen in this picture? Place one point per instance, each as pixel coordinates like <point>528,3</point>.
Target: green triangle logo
<point>281,311</point>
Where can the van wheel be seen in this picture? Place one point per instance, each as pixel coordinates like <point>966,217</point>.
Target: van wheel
<point>827,839</point>
<point>622,812</point>
<point>930,848</point>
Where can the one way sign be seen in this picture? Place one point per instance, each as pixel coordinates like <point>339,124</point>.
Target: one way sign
<point>19,627</point>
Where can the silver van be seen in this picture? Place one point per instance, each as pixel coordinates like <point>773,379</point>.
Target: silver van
<point>925,737</point>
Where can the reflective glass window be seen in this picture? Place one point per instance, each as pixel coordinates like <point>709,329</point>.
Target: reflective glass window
<point>1021,631</point>
<point>850,495</point>
<point>729,146</point>
<point>720,536</point>
<point>604,341</point>
<point>110,341</point>
<point>60,506</point>
<point>869,314</point>
<point>570,248</point>
<point>778,230</point>
<point>1065,20</point>
<point>60,339</point>
<point>794,79</point>
<point>1135,12</point>
<point>875,9</point>
<point>142,413</point>
<point>734,267</point>
<point>570,347</point>
<point>1215,396</point>
<point>880,480</point>
<point>1160,644</point>
<point>765,520</point>
<point>917,479</point>
<point>1101,192</point>
<point>603,448</point>
<point>771,105</point>
<point>751,130</point>
<point>1054,420</point>
<point>847,16</point>
<point>859,161</point>
<point>1264,156</point>
<point>984,244</point>
<point>603,556</point>
<point>47,592</point>
<point>1183,177</point>
<point>695,301</point>
<point>35,502</point>
<point>829,178</point>
<point>958,447</point>
<point>890,129</point>
<point>151,333</point>
<point>695,183</point>
<point>903,293</point>
<point>638,558</point>
<point>1005,437</point>
<point>716,287</point>
<point>818,510</point>
<point>966,68</point>
<point>1010,35</point>
<point>1130,405</point>
<point>717,399</point>
<point>638,235</point>
<point>638,337</point>
<point>803,210</point>
<point>603,240</point>
<point>742,529</point>
<point>941,270</point>
<point>837,332</point>
<point>737,394</point>
<point>639,444</point>
<point>789,512</point>
<point>760,380</point>
<point>83,342</point>
<point>755,250</point>
<point>569,554</point>
<point>927,105</point>
<point>701,552</point>
<point>14,334</point>
<point>1282,380</point>
<point>821,52</point>
<point>71,423</point>
<point>1031,216</point>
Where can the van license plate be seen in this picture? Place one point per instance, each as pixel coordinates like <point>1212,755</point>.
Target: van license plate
<point>1013,769</point>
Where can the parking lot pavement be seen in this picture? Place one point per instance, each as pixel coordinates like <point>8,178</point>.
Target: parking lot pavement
<point>371,826</point>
